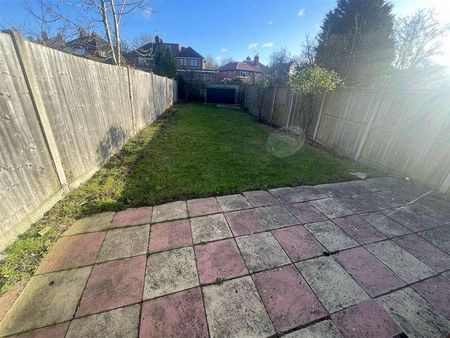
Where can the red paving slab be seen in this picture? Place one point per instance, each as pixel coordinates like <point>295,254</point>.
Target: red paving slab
<point>288,298</point>
<point>245,222</point>
<point>219,260</point>
<point>260,198</point>
<point>113,284</point>
<point>359,230</point>
<point>73,251</point>
<point>203,206</point>
<point>373,276</point>
<point>298,243</point>
<point>366,319</point>
<point>54,331</point>
<point>170,235</point>
<point>177,315</point>
<point>432,256</point>
<point>9,297</point>
<point>133,216</point>
<point>306,213</point>
<point>436,291</point>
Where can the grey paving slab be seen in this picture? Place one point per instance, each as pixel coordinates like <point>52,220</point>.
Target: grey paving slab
<point>169,211</point>
<point>437,204</point>
<point>405,265</point>
<point>126,242</point>
<point>375,200</point>
<point>209,228</point>
<point>169,272</point>
<point>352,204</point>
<point>260,198</point>
<point>334,287</point>
<point>309,193</point>
<point>331,208</point>
<point>122,322</point>
<point>276,216</point>
<point>324,329</point>
<point>287,195</point>
<point>446,275</point>
<point>331,236</point>
<point>226,319</point>
<point>47,299</point>
<point>261,251</point>
<point>416,217</point>
<point>381,183</point>
<point>439,237</point>
<point>414,315</point>
<point>92,223</point>
<point>380,221</point>
<point>354,187</point>
<point>331,189</point>
<point>233,202</point>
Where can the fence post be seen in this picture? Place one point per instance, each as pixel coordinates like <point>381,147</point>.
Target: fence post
<point>366,130</point>
<point>130,94</point>
<point>316,129</point>
<point>273,102</point>
<point>38,105</point>
<point>290,109</point>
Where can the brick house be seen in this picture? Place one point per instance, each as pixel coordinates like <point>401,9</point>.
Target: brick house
<point>186,57</point>
<point>247,71</point>
<point>88,45</point>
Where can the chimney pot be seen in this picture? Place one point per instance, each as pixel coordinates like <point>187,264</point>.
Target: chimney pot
<point>256,59</point>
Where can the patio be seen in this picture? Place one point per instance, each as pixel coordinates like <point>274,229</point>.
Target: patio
<point>361,258</point>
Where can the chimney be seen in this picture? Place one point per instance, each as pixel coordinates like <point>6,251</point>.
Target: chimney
<point>158,40</point>
<point>44,36</point>
<point>82,33</point>
<point>248,58</point>
<point>256,59</point>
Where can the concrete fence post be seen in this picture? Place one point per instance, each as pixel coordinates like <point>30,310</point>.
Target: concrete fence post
<point>366,130</point>
<point>38,104</point>
<point>316,128</point>
<point>273,102</point>
<point>130,95</point>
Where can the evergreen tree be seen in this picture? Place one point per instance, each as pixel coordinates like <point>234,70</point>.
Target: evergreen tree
<point>356,40</point>
<point>165,64</point>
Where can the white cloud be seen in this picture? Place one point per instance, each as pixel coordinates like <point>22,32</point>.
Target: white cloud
<point>223,50</point>
<point>270,22</point>
<point>301,12</point>
<point>268,44</point>
<point>253,45</point>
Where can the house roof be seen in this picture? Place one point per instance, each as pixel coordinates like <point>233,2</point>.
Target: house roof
<point>174,48</point>
<point>92,41</point>
<point>189,52</point>
<point>238,66</point>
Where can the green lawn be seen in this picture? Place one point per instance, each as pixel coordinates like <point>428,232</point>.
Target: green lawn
<point>197,151</point>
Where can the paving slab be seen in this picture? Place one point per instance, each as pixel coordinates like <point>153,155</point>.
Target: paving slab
<point>352,204</point>
<point>331,189</point>
<point>169,272</point>
<point>376,201</point>
<point>414,315</point>
<point>435,258</point>
<point>323,329</point>
<point>331,236</point>
<point>245,222</point>
<point>203,206</point>
<point>306,213</point>
<point>373,276</point>
<point>415,217</point>
<point>298,243</point>
<point>209,228</point>
<point>260,198</point>
<point>446,275</point>
<point>133,216</point>
<point>288,298</point>
<point>53,331</point>
<point>405,265</point>
<point>112,285</point>
<point>367,319</point>
<point>436,291</point>
<point>276,216</point>
<point>126,242</point>
<point>331,208</point>
<point>354,187</point>
<point>233,202</point>
<point>381,221</point>
<point>72,252</point>
<point>287,195</point>
<point>381,183</point>
<point>219,260</point>
<point>439,237</point>
<point>359,230</point>
<point>122,322</point>
<point>178,315</point>
<point>9,297</point>
<point>335,288</point>
<point>309,193</point>
<point>46,300</point>
<point>169,211</point>
<point>170,235</point>
<point>225,319</point>
<point>438,204</point>
<point>261,251</point>
<point>92,223</point>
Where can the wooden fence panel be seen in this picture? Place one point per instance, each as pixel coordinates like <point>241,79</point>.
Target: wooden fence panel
<point>143,100</point>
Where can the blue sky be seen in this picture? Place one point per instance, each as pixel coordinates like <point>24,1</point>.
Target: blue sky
<point>228,28</point>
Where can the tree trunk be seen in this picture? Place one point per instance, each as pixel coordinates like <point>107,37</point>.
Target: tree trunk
<point>107,32</point>
<point>116,30</point>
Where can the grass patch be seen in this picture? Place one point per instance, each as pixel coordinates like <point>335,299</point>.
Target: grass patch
<point>197,152</point>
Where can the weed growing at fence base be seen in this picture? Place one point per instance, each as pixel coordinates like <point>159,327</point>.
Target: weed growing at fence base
<point>199,151</point>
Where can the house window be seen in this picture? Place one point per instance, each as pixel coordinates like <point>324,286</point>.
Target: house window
<point>243,74</point>
<point>194,63</point>
<point>183,62</point>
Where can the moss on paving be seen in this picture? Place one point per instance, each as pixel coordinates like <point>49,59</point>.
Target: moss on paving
<point>199,151</point>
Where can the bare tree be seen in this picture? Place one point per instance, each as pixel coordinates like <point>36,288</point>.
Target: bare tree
<point>210,62</point>
<point>417,39</point>
<point>309,51</point>
<point>226,60</point>
<point>279,65</point>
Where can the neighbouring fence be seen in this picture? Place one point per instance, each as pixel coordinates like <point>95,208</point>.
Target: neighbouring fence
<point>403,132</point>
<point>61,118</point>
